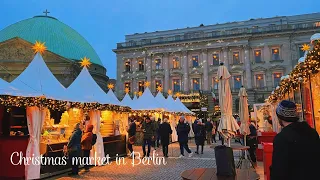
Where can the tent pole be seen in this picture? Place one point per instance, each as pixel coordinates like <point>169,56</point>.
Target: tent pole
<point>245,144</point>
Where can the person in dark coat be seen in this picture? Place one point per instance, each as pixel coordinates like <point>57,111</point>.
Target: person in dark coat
<point>149,131</point>
<point>296,149</point>
<point>252,142</point>
<point>183,132</point>
<point>131,136</point>
<point>208,128</point>
<point>200,135</point>
<point>74,149</point>
<point>165,131</point>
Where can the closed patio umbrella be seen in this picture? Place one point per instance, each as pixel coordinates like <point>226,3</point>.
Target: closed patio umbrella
<point>228,125</point>
<point>244,112</point>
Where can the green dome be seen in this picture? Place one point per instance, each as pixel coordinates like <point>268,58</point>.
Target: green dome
<point>59,38</point>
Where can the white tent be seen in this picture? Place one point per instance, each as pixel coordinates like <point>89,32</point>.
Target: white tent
<point>127,101</point>
<point>167,106</point>
<point>38,80</point>
<point>112,98</point>
<point>85,89</point>
<point>146,102</point>
<point>175,107</point>
<point>8,89</point>
<point>183,107</point>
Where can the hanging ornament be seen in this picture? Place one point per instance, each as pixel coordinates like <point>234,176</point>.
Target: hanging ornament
<point>126,90</point>
<point>305,47</point>
<point>147,84</point>
<point>159,88</point>
<point>110,86</point>
<point>39,47</point>
<point>140,93</point>
<point>169,91</point>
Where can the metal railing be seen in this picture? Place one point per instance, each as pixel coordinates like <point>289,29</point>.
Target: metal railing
<point>217,34</point>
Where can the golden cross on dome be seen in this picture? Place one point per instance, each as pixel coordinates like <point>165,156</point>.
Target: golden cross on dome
<point>305,47</point>
<point>85,62</point>
<point>110,86</point>
<point>126,90</point>
<point>169,92</point>
<point>39,47</point>
<point>178,94</point>
<point>140,93</point>
<point>159,88</point>
<point>147,84</point>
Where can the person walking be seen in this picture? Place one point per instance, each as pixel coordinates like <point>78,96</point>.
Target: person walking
<point>74,149</point>
<point>252,142</point>
<point>148,135</point>
<point>296,148</point>
<point>132,136</point>
<point>158,138</point>
<point>214,128</point>
<point>200,135</point>
<point>208,128</point>
<point>155,126</point>
<point>182,132</point>
<point>165,131</point>
<point>86,145</point>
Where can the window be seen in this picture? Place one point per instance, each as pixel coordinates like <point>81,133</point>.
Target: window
<point>195,61</point>
<point>175,62</point>
<point>215,59</point>
<point>196,84</point>
<point>259,81</point>
<point>257,56</point>
<point>127,85</point>
<point>236,58</point>
<point>301,52</point>
<point>158,63</point>
<point>176,85</point>
<point>141,65</point>
<point>237,82</point>
<point>275,54</point>
<point>215,83</point>
<point>276,79</point>
<point>158,83</point>
<point>141,86</point>
<point>128,66</point>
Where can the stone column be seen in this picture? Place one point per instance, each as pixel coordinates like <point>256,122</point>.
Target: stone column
<point>225,51</point>
<point>166,72</point>
<point>205,77</point>
<point>247,64</point>
<point>148,67</point>
<point>185,67</point>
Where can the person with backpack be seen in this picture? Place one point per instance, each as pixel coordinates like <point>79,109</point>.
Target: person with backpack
<point>74,149</point>
<point>86,145</point>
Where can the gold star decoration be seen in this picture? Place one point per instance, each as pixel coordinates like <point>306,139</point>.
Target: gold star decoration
<point>85,62</point>
<point>39,47</point>
<point>140,93</point>
<point>126,90</point>
<point>147,84</point>
<point>305,47</point>
<point>159,88</point>
<point>110,86</point>
<point>169,92</point>
<point>135,93</point>
<point>178,94</point>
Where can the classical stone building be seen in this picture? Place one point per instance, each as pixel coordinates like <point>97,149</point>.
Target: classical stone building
<point>65,49</point>
<point>257,52</point>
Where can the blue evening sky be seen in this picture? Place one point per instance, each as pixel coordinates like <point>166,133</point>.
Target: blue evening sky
<point>105,22</point>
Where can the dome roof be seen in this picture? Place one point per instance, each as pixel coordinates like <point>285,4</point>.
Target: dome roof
<point>59,38</point>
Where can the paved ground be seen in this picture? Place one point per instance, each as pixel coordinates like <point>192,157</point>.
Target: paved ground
<point>170,171</point>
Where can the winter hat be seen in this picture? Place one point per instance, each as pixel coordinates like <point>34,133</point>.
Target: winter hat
<point>287,111</point>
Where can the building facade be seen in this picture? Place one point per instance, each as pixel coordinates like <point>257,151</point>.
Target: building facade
<point>257,53</point>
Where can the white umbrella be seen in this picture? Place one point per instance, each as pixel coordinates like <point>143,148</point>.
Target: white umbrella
<point>244,112</point>
<point>228,125</point>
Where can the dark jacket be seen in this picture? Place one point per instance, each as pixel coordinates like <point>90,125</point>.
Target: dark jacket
<point>199,134</point>
<point>148,130</point>
<point>183,132</point>
<point>208,126</point>
<point>132,129</point>
<point>296,152</point>
<point>164,132</point>
<point>86,140</point>
<point>74,146</point>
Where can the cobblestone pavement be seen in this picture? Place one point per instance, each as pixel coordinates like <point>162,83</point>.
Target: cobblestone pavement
<point>170,171</point>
